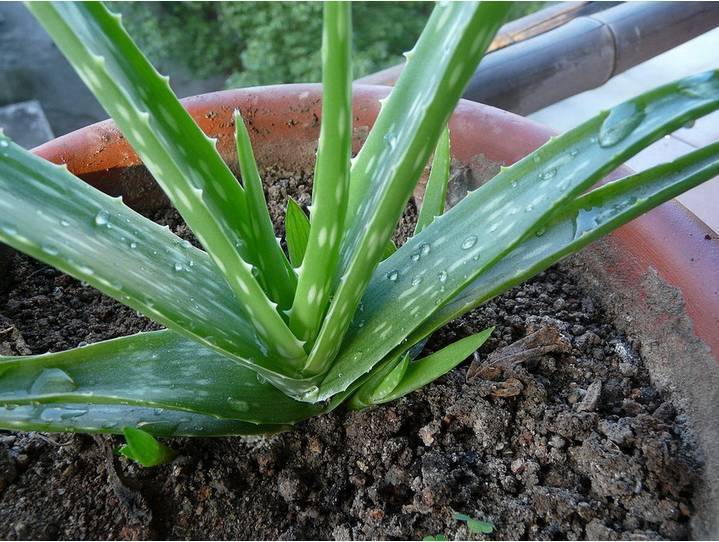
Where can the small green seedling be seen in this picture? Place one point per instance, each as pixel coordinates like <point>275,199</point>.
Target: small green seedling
<point>436,537</point>
<point>144,449</point>
<point>257,339</point>
<point>475,526</point>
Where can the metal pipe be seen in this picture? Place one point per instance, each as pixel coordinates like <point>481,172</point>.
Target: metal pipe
<point>585,53</point>
<point>571,47</point>
<point>512,32</point>
<point>544,20</point>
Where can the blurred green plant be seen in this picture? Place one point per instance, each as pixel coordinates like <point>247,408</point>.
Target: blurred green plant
<point>263,43</point>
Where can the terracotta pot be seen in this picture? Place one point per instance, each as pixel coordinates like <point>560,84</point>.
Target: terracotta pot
<point>658,277</point>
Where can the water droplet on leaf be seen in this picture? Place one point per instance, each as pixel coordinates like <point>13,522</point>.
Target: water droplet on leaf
<point>621,121</point>
<point>53,414</point>
<point>391,140</point>
<point>311,394</point>
<point>102,219</point>
<point>52,381</point>
<point>548,174</point>
<point>702,86</point>
<point>469,242</point>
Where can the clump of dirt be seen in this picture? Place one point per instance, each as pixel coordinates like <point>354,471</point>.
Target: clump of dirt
<point>558,436</point>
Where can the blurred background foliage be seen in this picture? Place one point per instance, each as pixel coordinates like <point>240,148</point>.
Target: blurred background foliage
<point>262,43</point>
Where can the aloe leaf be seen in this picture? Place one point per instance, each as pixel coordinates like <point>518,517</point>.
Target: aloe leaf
<point>380,383</point>
<point>368,381</point>
<point>277,276</point>
<point>181,158</point>
<point>579,223</point>
<point>110,418</point>
<point>430,368</point>
<point>390,382</point>
<point>391,160</point>
<point>159,370</point>
<point>297,232</point>
<point>393,378</point>
<point>389,249</point>
<point>435,194</point>
<point>97,239</point>
<point>433,267</point>
<point>329,192</point>
<point>145,449</point>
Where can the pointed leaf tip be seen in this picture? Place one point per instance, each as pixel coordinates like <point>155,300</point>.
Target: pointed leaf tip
<point>428,369</point>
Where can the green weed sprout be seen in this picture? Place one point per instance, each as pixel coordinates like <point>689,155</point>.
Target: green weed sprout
<point>141,447</point>
<point>475,526</point>
<point>269,339</point>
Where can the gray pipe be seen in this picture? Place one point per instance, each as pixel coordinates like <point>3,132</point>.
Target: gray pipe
<point>585,53</point>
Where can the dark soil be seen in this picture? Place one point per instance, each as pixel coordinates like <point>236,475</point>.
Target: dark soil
<point>570,441</point>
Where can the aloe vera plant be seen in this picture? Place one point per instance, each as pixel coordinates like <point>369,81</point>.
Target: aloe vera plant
<point>257,339</point>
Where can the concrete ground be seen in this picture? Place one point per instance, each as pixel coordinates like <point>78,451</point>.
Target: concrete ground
<point>25,123</point>
<point>32,68</point>
<point>697,55</point>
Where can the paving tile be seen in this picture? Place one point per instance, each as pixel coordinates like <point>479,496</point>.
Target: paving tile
<point>25,123</point>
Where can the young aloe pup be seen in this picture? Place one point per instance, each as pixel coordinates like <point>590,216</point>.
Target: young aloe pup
<point>267,338</point>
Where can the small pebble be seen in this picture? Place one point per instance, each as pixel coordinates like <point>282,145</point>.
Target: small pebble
<point>589,403</point>
<point>22,459</point>
<point>517,466</point>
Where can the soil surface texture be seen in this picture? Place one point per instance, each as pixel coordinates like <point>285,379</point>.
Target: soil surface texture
<point>552,431</point>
